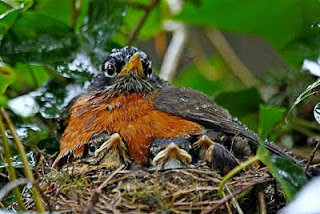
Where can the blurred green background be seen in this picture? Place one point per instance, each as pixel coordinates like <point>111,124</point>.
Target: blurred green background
<point>243,54</point>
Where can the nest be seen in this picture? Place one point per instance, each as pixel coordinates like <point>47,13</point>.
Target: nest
<point>192,190</point>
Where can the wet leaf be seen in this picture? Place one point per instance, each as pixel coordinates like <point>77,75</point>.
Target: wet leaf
<point>17,162</point>
<point>290,177</point>
<point>103,21</point>
<point>316,112</point>
<point>282,21</point>
<point>24,106</point>
<point>268,117</point>
<point>54,96</point>
<point>7,76</point>
<point>48,41</point>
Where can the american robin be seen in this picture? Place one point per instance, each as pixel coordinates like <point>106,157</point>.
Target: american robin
<point>131,113</point>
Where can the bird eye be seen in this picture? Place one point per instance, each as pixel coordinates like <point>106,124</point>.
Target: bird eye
<point>109,69</point>
<point>92,149</point>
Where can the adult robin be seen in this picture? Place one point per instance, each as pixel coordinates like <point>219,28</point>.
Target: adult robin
<point>129,113</point>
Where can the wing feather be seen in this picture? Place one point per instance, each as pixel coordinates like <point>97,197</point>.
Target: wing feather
<point>197,107</point>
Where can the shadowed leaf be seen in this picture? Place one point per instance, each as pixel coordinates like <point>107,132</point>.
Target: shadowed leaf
<point>290,177</point>
<point>268,117</point>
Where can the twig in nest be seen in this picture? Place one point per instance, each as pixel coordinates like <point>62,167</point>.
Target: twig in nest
<point>98,191</point>
<point>234,201</point>
<point>315,149</point>
<point>11,185</point>
<point>144,17</point>
<point>262,202</point>
<point>213,207</point>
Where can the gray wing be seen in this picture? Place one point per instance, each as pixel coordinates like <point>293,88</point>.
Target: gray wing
<point>197,107</point>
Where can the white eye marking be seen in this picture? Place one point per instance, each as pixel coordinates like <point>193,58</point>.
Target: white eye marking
<point>109,69</point>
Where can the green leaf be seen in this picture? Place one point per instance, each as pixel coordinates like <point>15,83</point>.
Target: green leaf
<point>7,19</point>
<point>61,10</point>
<point>47,41</point>
<point>30,76</point>
<point>268,117</point>
<point>240,103</point>
<point>290,177</point>
<point>306,47</point>
<point>7,76</point>
<point>84,8</point>
<point>3,100</point>
<point>280,22</point>
<point>25,27</point>
<point>103,21</point>
<point>4,7</point>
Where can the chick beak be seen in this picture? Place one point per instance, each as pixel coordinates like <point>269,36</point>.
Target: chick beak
<point>133,66</point>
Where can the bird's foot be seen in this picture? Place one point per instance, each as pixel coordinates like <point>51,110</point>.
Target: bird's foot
<point>170,153</point>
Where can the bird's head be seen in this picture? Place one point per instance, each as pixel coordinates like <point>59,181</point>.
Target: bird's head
<point>127,70</point>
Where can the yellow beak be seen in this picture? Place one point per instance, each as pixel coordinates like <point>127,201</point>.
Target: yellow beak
<point>134,65</point>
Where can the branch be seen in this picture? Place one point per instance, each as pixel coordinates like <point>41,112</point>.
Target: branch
<point>174,51</point>
<point>177,43</point>
<point>98,191</point>
<point>144,17</point>
<point>315,149</point>
<point>221,45</point>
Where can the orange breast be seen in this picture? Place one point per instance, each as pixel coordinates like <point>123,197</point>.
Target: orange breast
<point>131,115</point>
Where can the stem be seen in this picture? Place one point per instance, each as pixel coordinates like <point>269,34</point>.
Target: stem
<point>53,74</point>
<point>302,130</point>
<point>174,51</point>
<point>315,149</point>
<point>144,17</point>
<point>11,170</point>
<point>305,123</point>
<point>233,172</point>
<point>180,34</point>
<point>22,153</point>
